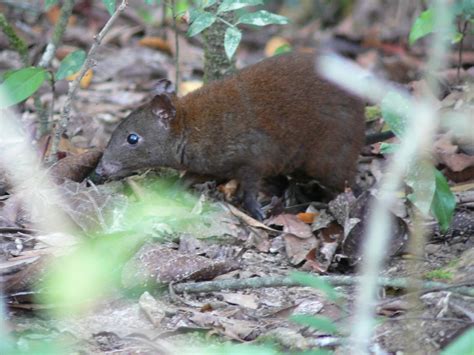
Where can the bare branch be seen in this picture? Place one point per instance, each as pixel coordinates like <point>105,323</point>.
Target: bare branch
<point>74,85</point>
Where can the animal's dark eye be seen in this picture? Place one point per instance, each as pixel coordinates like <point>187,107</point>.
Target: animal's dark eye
<point>133,138</point>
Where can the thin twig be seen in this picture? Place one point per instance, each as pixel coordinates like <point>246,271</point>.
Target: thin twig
<point>176,45</point>
<point>74,85</point>
<point>58,33</point>
<point>281,281</point>
<point>45,61</point>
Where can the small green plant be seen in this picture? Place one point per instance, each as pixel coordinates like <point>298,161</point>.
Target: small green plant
<point>430,189</point>
<point>464,17</point>
<point>201,18</point>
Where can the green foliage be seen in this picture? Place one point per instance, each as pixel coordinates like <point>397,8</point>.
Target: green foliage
<point>201,22</point>
<point>285,48</point>
<point>444,201</point>
<point>424,23</point>
<point>439,274</point>
<point>396,119</point>
<point>71,64</point>
<point>201,19</point>
<point>230,5</point>
<point>430,190</point>
<point>49,3</point>
<point>109,5</point>
<point>21,84</point>
<point>262,18</point>
<point>319,323</point>
<point>231,40</point>
<point>421,179</point>
<point>372,113</point>
<point>462,345</point>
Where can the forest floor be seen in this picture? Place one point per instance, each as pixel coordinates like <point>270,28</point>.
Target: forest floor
<point>128,245</point>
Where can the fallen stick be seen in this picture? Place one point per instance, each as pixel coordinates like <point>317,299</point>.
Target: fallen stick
<point>287,281</point>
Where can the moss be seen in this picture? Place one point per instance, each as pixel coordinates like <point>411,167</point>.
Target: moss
<point>372,113</point>
<point>439,274</point>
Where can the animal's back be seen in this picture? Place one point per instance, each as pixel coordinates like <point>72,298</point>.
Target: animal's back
<point>278,117</point>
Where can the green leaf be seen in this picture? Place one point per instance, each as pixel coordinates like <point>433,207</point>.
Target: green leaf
<point>229,5</point>
<point>456,37</point>
<point>49,3</point>
<point>71,64</point>
<point>421,179</point>
<point>231,41</point>
<point>203,21</point>
<point>321,323</point>
<point>388,148</point>
<point>395,112</point>
<point>109,5</point>
<point>444,202</point>
<point>285,48</point>
<point>316,283</point>
<point>20,85</point>
<point>423,25</point>
<point>262,18</point>
<point>463,344</point>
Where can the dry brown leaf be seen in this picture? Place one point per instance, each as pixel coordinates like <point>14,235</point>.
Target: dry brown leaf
<point>307,217</point>
<point>75,167</point>
<point>156,43</point>
<point>229,189</point>
<point>155,264</point>
<point>248,301</point>
<point>152,308</point>
<point>292,225</point>
<point>297,249</point>
<point>86,79</point>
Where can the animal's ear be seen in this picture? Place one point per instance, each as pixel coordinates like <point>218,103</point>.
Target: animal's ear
<point>164,87</point>
<point>163,110</point>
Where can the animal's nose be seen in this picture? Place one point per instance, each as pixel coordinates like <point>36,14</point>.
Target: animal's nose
<point>104,170</point>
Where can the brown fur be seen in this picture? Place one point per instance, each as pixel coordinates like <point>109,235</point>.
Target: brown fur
<point>275,117</point>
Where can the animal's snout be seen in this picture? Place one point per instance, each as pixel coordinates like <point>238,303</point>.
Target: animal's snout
<point>105,170</point>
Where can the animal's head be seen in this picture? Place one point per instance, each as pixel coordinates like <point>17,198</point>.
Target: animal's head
<point>144,139</point>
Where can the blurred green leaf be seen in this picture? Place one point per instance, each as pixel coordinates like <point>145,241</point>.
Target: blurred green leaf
<point>231,41</point>
<point>388,148</point>
<point>444,201</point>
<point>229,5</point>
<point>423,25</point>
<point>321,323</point>
<point>285,48</point>
<point>202,21</point>
<point>21,84</point>
<point>109,5</point>
<point>457,37</point>
<point>262,18</point>
<point>461,345</point>
<point>182,6</point>
<point>49,3</point>
<point>71,64</point>
<point>421,179</point>
<point>315,282</point>
<point>395,112</point>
